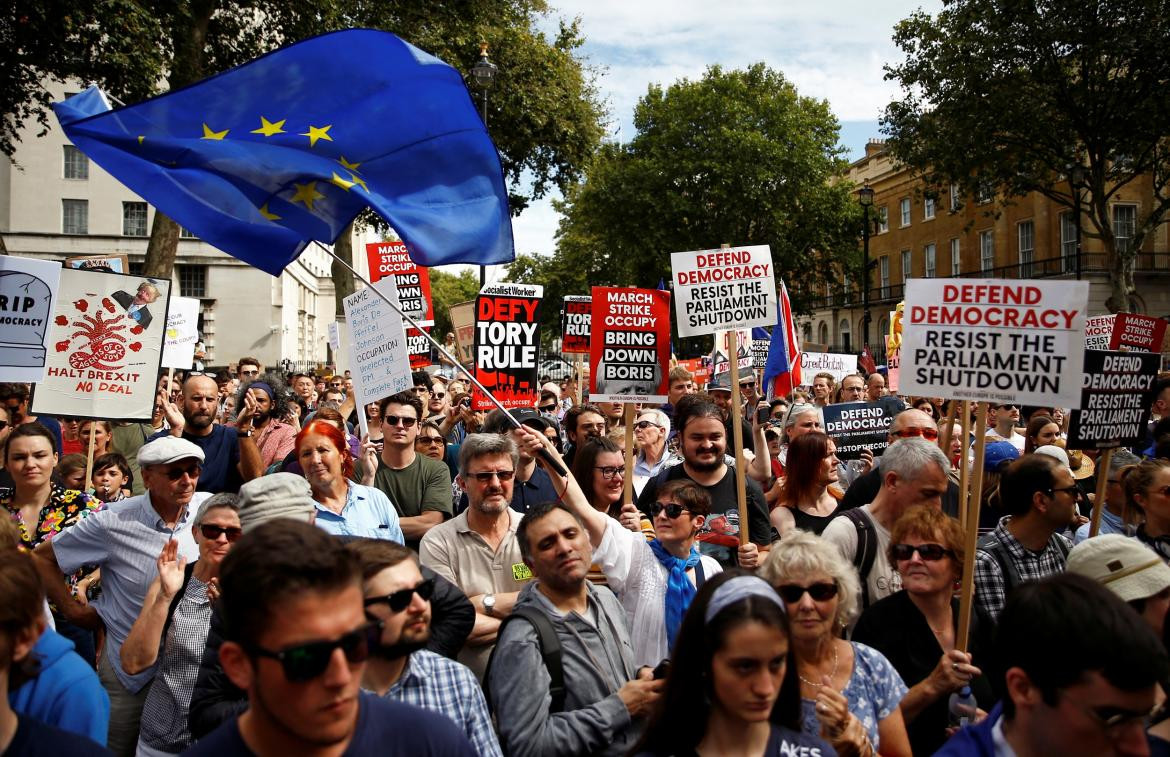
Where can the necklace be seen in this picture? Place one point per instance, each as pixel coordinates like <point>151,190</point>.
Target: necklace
<point>831,675</point>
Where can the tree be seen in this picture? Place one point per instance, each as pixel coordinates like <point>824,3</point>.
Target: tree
<point>449,289</point>
<point>736,157</point>
<point>544,112</point>
<point>1011,96</point>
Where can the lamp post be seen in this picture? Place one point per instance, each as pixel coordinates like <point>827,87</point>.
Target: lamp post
<point>865,198</point>
<point>483,73</point>
<point>1076,177</point>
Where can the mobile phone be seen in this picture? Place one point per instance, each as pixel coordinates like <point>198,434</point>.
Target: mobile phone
<point>466,402</point>
<point>763,414</point>
<point>662,670</point>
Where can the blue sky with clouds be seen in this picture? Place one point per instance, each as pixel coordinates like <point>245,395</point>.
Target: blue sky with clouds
<point>833,49</point>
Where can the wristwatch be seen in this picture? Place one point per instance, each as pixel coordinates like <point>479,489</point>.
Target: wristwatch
<point>489,605</point>
<point>241,432</point>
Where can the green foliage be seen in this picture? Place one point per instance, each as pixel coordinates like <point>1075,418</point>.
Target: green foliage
<point>1010,95</point>
<point>449,289</point>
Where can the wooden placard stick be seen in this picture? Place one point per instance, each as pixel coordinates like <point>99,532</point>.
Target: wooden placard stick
<point>967,594</point>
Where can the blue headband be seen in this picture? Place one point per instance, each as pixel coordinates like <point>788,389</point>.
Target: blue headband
<point>739,588</point>
<point>262,387</point>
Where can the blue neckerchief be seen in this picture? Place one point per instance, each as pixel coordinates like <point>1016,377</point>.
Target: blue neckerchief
<point>679,589</point>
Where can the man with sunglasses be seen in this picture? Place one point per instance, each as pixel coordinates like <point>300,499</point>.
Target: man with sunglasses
<point>530,484</point>
<point>1005,418</point>
<point>419,486</point>
<point>398,599</point>
<point>477,550</point>
<point>297,640</point>
<point>248,369</point>
<point>124,541</point>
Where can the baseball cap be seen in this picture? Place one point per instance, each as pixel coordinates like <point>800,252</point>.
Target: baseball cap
<point>168,449</point>
<point>1122,564</point>
<point>997,453</point>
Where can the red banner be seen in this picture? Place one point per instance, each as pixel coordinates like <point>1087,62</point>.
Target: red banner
<point>629,357</point>
<point>575,325</point>
<point>418,348</point>
<point>1141,333</point>
<point>507,345</point>
<point>414,282</point>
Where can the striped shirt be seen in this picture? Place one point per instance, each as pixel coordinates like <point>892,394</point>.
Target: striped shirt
<point>124,540</point>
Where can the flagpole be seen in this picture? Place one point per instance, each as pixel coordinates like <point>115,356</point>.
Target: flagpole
<point>560,469</point>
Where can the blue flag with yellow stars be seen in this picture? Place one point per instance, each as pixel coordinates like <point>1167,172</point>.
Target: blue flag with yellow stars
<point>288,148</point>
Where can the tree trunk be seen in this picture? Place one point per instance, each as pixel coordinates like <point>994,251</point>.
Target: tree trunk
<point>160,251</point>
<point>342,278</point>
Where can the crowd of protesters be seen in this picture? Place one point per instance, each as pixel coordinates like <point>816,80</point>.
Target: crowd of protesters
<point>267,567</point>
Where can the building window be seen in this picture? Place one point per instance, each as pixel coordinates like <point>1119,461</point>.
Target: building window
<point>1124,226</point>
<point>1026,234</point>
<point>137,267</point>
<point>846,336</point>
<point>806,332</point>
<point>823,332</point>
<point>1068,242</point>
<point>927,208</point>
<point>956,198</point>
<point>883,219</point>
<point>986,250</point>
<point>984,193</point>
<point>76,164</point>
<point>185,233</point>
<point>905,266</point>
<point>75,216</point>
<point>929,257</point>
<point>192,280</point>
<point>905,211</point>
<point>956,258</point>
<point>884,274</point>
<point>134,219</point>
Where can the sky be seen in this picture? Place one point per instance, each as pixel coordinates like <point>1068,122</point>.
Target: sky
<point>833,49</point>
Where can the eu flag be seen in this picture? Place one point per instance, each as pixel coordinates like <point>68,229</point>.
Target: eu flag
<point>263,158</point>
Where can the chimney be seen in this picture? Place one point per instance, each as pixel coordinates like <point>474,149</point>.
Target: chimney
<point>874,146</point>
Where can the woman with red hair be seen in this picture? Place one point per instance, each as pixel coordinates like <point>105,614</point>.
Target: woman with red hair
<point>344,507</point>
<point>810,497</point>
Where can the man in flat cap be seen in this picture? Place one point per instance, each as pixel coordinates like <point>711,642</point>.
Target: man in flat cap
<point>124,540</point>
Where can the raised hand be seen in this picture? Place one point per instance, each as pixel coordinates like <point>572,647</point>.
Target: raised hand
<point>170,570</point>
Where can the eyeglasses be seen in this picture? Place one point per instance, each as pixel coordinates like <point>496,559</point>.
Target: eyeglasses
<point>430,440</point>
<point>174,474</point>
<point>1072,491</point>
<point>399,420</point>
<point>672,509</point>
<point>928,552</point>
<point>792,593</point>
<point>402,598</point>
<point>486,476</point>
<point>305,662</point>
<point>249,373</point>
<point>854,389</point>
<point>643,425</point>
<point>929,434</point>
<point>1113,720</point>
<point>609,471</point>
<point>211,532</point>
<point>440,395</point>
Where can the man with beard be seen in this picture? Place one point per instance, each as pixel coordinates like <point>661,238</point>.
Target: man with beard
<point>400,668</point>
<point>477,550</point>
<point>719,392</point>
<point>704,442</point>
<point>582,423</point>
<point>230,455</point>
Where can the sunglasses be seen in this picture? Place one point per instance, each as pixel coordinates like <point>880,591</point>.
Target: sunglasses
<point>792,593</point>
<point>1075,491</point>
<point>211,532</point>
<point>440,395</point>
<point>249,373</point>
<point>486,476</point>
<point>430,440</point>
<point>609,471</point>
<point>174,474</point>
<point>1009,407</point>
<point>402,598</point>
<point>546,408</point>
<point>305,662</point>
<point>643,425</point>
<point>672,509</point>
<point>3,425</point>
<point>929,434</point>
<point>399,420</point>
<point>335,384</point>
<point>747,385</point>
<point>928,552</point>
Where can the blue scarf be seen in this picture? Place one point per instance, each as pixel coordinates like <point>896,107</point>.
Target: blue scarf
<point>679,589</point>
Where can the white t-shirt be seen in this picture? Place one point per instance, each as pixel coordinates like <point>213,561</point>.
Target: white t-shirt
<point>882,580</point>
<point>639,580</point>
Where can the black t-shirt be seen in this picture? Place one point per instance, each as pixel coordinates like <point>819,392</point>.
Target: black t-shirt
<point>782,742</point>
<point>383,727</point>
<point>221,459</point>
<point>719,537</point>
<point>36,739</point>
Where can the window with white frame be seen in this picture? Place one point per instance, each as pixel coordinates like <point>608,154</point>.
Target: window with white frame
<point>986,250</point>
<point>883,219</point>
<point>929,262</point>
<point>905,211</point>
<point>884,275</point>
<point>905,265</point>
<point>956,257</point>
<point>134,219</point>
<point>1026,236</point>
<point>956,198</point>
<point>1124,226</point>
<point>74,216</point>
<point>76,164</point>
<point>984,193</point>
<point>1068,242</point>
<point>927,208</point>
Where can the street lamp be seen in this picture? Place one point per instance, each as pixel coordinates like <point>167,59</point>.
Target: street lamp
<point>483,73</point>
<point>1076,177</point>
<point>865,198</point>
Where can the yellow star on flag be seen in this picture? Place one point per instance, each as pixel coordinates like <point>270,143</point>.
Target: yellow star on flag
<point>352,167</point>
<point>314,133</point>
<point>359,181</point>
<point>141,138</point>
<point>267,213</point>
<point>307,193</point>
<point>342,182</point>
<point>209,134</point>
<point>268,128</point>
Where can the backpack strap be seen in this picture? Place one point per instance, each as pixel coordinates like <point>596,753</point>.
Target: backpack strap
<point>866,553</point>
<point>994,547</point>
<point>550,653</point>
<point>700,575</point>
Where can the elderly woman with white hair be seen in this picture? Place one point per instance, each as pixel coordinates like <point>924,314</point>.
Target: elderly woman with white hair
<point>650,432</point>
<point>849,692</point>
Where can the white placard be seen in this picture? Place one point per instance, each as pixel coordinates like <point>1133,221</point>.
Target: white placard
<point>182,333</point>
<point>28,289</point>
<point>720,363</point>
<point>724,289</point>
<point>995,340</point>
<point>1098,331</point>
<point>334,336</point>
<point>840,366</point>
<point>377,345</point>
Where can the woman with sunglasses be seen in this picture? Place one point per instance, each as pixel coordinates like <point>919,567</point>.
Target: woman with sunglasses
<point>732,687</point>
<point>915,628</point>
<point>171,629</point>
<point>849,691</point>
<point>1147,502</point>
<point>810,496</point>
<point>347,508</point>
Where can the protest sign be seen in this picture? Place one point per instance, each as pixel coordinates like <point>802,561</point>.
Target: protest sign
<point>1117,392</point>
<point>839,366</point>
<point>181,334</point>
<point>893,365</point>
<point>629,359</point>
<point>718,290</point>
<point>995,341</point>
<point>699,369</point>
<point>575,325</point>
<point>377,345</point>
<point>418,349</point>
<point>28,289</point>
<point>463,324</point>
<point>413,281</point>
<point>1141,333</point>
<point>858,426</point>
<point>107,263</point>
<point>106,346</point>
<point>720,363</point>
<point>507,345</point>
<point>760,353</point>
<point>1099,331</point>
<point>334,336</point>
